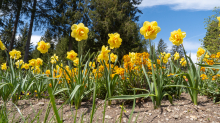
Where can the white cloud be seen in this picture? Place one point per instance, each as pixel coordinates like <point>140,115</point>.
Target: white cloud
<point>190,46</point>
<point>183,4</point>
<point>193,57</point>
<point>34,39</point>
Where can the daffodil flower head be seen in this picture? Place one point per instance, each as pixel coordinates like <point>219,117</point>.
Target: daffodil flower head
<point>150,30</point>
<point>104,55</point>
<point>2,46</point>
<point>218,18</point>
<point>25,66</point>
<point>176,56</point>
<point>19,63</point>
<point>3,66</point>
<point>54,59</point>
<point>79,32</point>
<point>200,52</point>
<point>71,55</point>
<point>14,54</point>
<point>177,37</point>
<point>43,47</point>
<point>113,57</point>
<point>114,40</point>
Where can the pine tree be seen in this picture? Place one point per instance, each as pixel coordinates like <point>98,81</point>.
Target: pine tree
<point>161,47</point>
<point>178,49</point>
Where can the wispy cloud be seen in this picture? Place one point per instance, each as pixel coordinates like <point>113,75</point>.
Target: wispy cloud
<point>183,4</point>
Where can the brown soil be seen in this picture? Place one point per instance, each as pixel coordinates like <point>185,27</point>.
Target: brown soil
<point>182,111</point>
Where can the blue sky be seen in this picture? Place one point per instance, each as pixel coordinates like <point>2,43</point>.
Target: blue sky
<point>188,15</point>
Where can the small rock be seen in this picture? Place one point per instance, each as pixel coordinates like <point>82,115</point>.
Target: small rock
<point>184,111</point>
<point>40,103</point>
<point>108,117</point>
<point>108,107</point>
<point>176,116</point>
<point>194,117</point>
<point>159,121</point>
<point>150,114</point>
<point>187,116</point>
<point>124,120</point>
<point>84,119</point>
<point>134,118</point>
<point>191,118</point>
<point>167,119</point>
<point>168,109</point>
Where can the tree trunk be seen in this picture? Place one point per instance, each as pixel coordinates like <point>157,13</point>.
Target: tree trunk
<point>30,32</point>
<point>15,26</point>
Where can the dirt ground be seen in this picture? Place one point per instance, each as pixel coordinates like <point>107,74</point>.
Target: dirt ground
<point>182,111</point>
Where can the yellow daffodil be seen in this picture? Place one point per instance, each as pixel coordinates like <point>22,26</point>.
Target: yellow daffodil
<point>132,56</point>
<point>79,32</point>
<point>14,54</point>
<point>177,37</point>
<point>113,57</point>
<point>32,62</point>
<point>150,30</point>
<point>71,55</point>
<point>183,62</point>
<point>2,46</point>
<point>3,66</point>
<point>25,66</point>
<point>54,59</point>
<point>114,40</point>
<point>76,62</point>
<point>39,62</point>
<point>176,56</point>
<point>43,47</point>
<point>19,63</point>
<point>200,52</point>
<point>92,64</point>
<point>36,70</point>
<point>104,55</point>
<point>218,18</point>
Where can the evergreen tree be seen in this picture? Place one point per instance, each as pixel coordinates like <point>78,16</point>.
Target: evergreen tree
<point>178,49</point>
<point>161,47</point>
<point>115,16</point>
<point>212,39</point>
<point>5,36</point>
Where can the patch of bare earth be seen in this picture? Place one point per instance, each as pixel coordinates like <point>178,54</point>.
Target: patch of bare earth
<point>182,111</point>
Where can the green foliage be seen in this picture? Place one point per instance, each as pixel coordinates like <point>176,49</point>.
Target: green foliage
<point>212,39</point>
<point>115,16</point>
